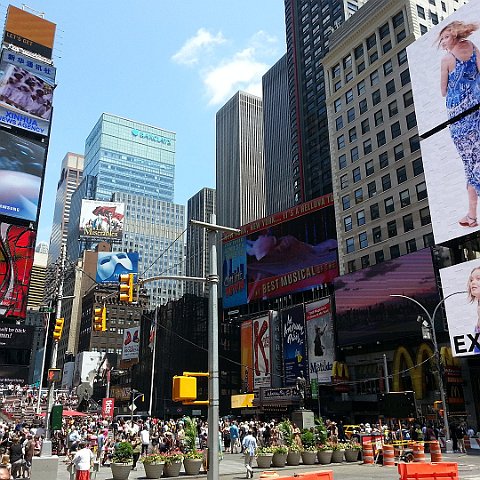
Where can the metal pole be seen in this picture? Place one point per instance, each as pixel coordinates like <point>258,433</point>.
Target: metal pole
<point>213,379</point>
<point>153,362</point>
<point>42,370</point>
<point>318,396</point>
<point>385,373</point>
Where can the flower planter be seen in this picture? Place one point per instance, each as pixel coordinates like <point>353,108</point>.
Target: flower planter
<point>121,471</point>
<point>192,465</point>
<point>279,459</point>
<point>293,458</point>
<point>153,470</point>
<point>264,461</point>
<point>337,456</point>
<point>172,469</point>
<point>309,458</point>
<point>351,455</point>
<point>324,456</point>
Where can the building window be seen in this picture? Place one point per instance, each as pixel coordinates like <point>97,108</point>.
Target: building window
<point>361,217</point>
<point>377,234</point>
<point>392,229</point>
<point>351,266</point>
<point>434,18</point>
<point>386,46</point>
<point>390,87</point>
<point>402,57</point>
<point>397,20</point>
<point>361,88</point>
<point>423,29</point>
<point>401,35</point>
<point>349,77</point>
<point>381,138</point>
<point>336,71</point>
<point>383,158</point>
<point>386,182</point>
<point>339,123</point>
<point>342,161</point>
<point>428,240</point>
<point>387,68</point>
<point>349,96</point>
<point>372,189</point>
<point>414,143</point>
<point>374,211</point>
<point>389,205</point>
<point>374,78</point>
<point>362,240</point>
<point>358,195</point>
<point>350,245</point>
<point>343,181</point>
<point>407,99</point>
<point>360,67</point>
<point>398,151</point>
<point>337,86</point>
<point>354,154</point>
<point>421,191</point>
<point>421,12</point>
<point>371,41</point>
<point>373,57</point>
<point>394,251</point>
<point>392,109</point>
<point>417,166</point>
<point>395,129</point>
<point>379,256</point>
<point>384,31</point>
<point>402,174</point>
<point>346,202</point>
<point>365,126</point>
<point>405,77</point>
<point>357,176</point>
<point>411,120</point>
<point>411,245</point>
<point>362,105</point>
<point>365,261</point>
<point>347,62</point>
<point>376,97</point>
<point>404,198</point>
<point>347,223</point>
<point>369,168</point>
<point>425,216</point>
<point>378,117</point>
<point>408,223</point>
<point>337,105</point>
<point>358,52</point>
<point>341,142</point>
<point>352,134</point>
<point>351,115</point>
<point>367,146</point>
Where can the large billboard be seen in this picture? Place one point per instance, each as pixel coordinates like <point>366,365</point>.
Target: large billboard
<point>29,32</point>
<point>462,283</point>
<point>16,336</point>
<point>22,164</point>
<point>444,69</point>
<point>15,353</point>
<point>320,338</point>
<point>110,265</point>
<point>365,310</point>
<point>101,221</point>
<point>26,92</point>
<point>284,253</point>
<point>262,358</point>
<point>131,343</point>
<point>17,247</point>
<point>294,344</point>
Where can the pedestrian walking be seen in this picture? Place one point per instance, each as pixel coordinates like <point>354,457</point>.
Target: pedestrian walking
<point>249,445</point>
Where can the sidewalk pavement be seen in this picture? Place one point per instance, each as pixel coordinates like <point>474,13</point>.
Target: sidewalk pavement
<point>232,467</point>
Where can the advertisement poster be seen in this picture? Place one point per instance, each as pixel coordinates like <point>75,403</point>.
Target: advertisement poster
<point>294,344</point>
<point>321,344</point>
<point>444,69</point>
<point>101,221</point>
<point>234,273</point>
<point>22,165</point>
<point>110,265</point>
<point>108,406</point>
<point>286,252</point>
<point>262,359</point>
<point>16,336</point>
<point>246,355</point>
<point>131,343</point>
<point>17,247</point>
<point>462,283</point>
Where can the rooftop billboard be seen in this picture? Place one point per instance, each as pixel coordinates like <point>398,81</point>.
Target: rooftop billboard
<point>284,253</point>
<point>28,31</point>
<point>101,221</point>
<point>366,312</point>
<point>444,66</point>
<point>111,265</point>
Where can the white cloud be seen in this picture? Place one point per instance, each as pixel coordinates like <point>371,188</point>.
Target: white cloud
<point>195,47</point>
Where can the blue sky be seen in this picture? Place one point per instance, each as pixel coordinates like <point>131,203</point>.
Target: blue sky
<point>172,64</point>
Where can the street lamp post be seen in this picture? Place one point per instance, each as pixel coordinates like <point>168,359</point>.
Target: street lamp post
<point>431,322</point>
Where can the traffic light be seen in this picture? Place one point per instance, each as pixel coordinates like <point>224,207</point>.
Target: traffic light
<point>184,388</point>
<point>126,287</point>
<point>57,331</point>
<point>100,319</point>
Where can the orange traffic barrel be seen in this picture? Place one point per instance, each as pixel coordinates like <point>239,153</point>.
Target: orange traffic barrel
<point>419,452</point>
<point>367,453</point>
<point>435,451</point>
<point>388,456</point>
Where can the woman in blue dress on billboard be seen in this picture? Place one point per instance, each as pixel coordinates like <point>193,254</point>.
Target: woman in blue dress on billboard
<point>460,84</point>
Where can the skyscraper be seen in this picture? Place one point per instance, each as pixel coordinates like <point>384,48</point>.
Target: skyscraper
<point>309,24</point>
<point>240,169</point>
<point>199,207</point>
<point>279,189</point>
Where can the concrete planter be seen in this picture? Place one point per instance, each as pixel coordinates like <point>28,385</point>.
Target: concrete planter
<point>264,460</point>
<point>279,459</point>
<point>324,456</point>
<point>121,471</point>
<point>192,465</point>
<point>153,470</point>
<point>351,455</point>
<point>293,458</point>
<point>172,469</point>
<point>309,458</point>
<point>337,456</point>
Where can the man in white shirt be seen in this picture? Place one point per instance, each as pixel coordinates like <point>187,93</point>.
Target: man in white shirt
<point>82,461</point>
<point>145,438</point>
<point>249,445</point>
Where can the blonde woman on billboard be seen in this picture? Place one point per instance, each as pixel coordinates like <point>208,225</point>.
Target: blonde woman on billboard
<point>460,84</point>
<point>473,292</point>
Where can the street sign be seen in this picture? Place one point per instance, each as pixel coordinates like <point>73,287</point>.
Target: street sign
<point>46,309</point>
<point>132,407</point>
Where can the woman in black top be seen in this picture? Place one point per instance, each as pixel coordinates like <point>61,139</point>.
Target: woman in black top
<point>16,457</point>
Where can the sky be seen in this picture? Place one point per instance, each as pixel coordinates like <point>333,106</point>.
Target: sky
<point>171,64</point>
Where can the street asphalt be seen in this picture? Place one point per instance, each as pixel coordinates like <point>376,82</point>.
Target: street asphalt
<point>231,467</point>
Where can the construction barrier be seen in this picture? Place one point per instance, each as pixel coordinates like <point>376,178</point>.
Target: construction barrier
<point>367,453</point>
<point>419,452</point>
<point>269,475</point>
<point>323,474</point>
<point>428,471</point>
<point>388,456</point>
<point>466,440</point>
<point>435,452</point>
